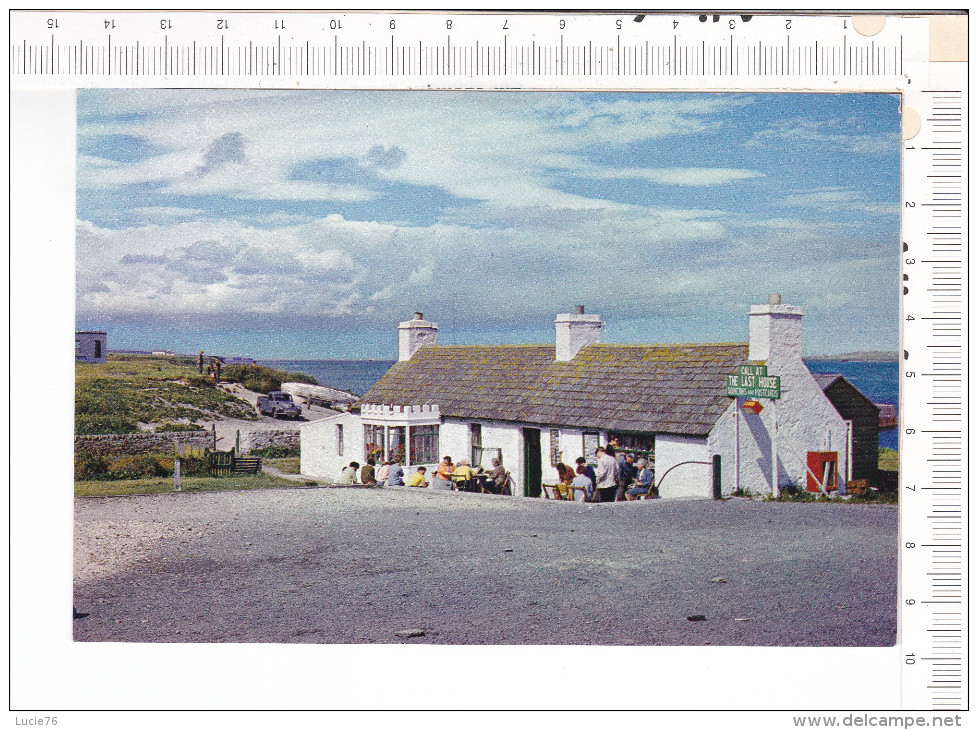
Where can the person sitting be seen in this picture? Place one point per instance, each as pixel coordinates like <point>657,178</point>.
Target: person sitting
<point>462,475</point>
<point>395,476</point>
<point>417,479</point>
<point>498,478</point>
<point>442,479</point>
<point>588,470</point>
<point>583,481</point>
<point>367,474</point>
<point>566,475</point>
<point>348,476</point>
<point>645,481</point>
<point>382,472</point>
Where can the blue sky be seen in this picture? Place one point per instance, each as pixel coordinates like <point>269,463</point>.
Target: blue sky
<point>309,223</point>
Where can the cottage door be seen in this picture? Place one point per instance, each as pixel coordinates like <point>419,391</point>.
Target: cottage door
<point>532,462</point>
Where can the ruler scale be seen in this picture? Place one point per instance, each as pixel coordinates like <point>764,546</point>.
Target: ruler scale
<point>934,587</point>
<point>67,45</point>
<point>645,52</point>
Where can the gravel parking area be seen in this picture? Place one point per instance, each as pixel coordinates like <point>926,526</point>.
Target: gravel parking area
<point>399,565</point>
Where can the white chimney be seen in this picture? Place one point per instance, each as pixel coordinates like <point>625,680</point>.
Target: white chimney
<point>413,334</point>
<point>775,331</point>
<point>575,331</point>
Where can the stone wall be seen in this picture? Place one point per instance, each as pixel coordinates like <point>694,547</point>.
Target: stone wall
<point>130,444</point>
<point>251,440</point>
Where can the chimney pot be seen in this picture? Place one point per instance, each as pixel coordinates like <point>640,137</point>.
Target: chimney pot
<point>774,299</point>
<point>413,334</point>
<point>575,331</point>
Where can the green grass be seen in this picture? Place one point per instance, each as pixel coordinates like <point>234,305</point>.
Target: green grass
<point>870,497</point>
<point>889,460</point>
<point>129,389</point>
<point>262,379</point>
<point>288,465</point>
<point>158,485</point>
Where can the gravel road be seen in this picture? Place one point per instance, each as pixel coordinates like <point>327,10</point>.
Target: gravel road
<point>334,565</point>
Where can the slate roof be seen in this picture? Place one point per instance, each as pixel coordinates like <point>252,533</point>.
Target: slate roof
<point>678,389</point>
<point>825,380</point>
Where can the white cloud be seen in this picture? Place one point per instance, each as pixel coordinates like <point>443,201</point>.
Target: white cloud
<point>840,199</point>
<point>682,176</point>
<point>828,133</point>
<point>491,147</point>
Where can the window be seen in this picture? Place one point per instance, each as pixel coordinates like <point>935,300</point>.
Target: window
<point>590,446</point>
<point>396,443</point>
<point>424,445</point>
<point>635,444</point>
<point>373,443</point>
<point>555,452</point>
<point>339,439</point>
<point>475,431</point>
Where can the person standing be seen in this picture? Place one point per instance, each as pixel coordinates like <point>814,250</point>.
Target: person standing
<point>626,475</point>
<point>395,475</point>
<point>605,473</point>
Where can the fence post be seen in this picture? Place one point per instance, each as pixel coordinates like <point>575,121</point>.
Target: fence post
<point>717,487</point>
<point>177,486</point>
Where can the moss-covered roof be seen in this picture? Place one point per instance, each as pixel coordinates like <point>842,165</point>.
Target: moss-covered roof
<point>677,389</point>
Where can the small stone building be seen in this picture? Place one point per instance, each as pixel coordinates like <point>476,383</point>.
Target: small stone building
<point>537,405</point>
<point>90,347</point>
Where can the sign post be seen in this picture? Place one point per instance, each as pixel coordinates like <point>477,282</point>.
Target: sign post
<point>752,381</point>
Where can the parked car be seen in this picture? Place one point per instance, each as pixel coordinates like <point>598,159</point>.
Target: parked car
<point>278,404</point>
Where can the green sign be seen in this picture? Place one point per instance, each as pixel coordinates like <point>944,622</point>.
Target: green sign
<point>754,385</point>
<point>752,370</point>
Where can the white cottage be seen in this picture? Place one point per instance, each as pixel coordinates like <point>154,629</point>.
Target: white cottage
<point>535,406</point>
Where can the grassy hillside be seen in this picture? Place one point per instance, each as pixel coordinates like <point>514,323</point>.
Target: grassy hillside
<point>130,389</point>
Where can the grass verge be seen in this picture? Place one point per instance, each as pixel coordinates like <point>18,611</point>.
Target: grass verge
<point>288,465</point>
<point>889,460</point>
<point>160,485</point>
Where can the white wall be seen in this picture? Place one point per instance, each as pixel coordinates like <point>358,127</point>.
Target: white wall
<point>687,480</point>
<point>319,454</point>
<point>806,421</point>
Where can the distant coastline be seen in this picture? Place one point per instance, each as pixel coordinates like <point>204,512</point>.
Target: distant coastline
<point>866,356</point>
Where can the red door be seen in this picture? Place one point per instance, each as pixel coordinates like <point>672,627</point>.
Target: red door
<point>824,465</point>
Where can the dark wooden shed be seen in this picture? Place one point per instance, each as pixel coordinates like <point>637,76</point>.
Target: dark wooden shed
<point>853,406</point>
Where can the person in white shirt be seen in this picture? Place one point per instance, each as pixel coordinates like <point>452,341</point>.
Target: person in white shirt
<point>348,476</point>
<point>605,471</point>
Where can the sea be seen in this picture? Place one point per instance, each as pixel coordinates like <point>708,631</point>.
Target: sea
<point>879,381</point>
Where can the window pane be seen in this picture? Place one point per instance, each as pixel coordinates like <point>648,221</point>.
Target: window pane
<point>476,431</point>
<point>373,442</point>
<point>396,445</point>
<point>424,445</point>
